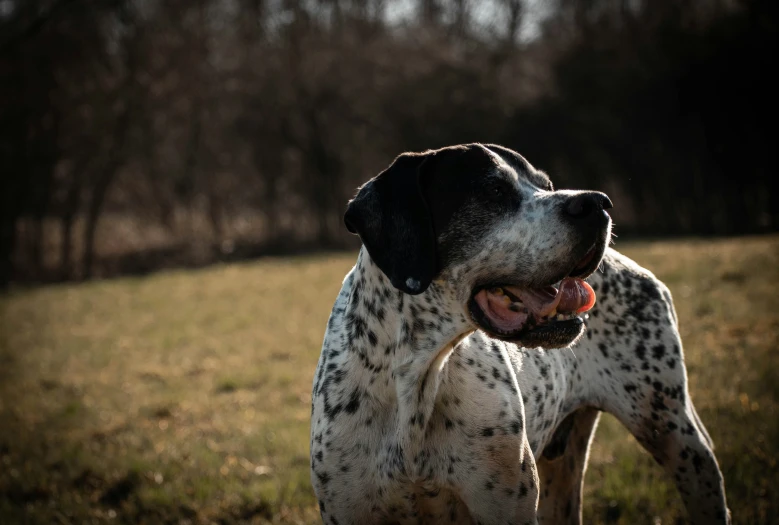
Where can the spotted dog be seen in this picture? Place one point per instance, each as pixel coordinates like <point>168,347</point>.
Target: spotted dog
<point>466,361</point>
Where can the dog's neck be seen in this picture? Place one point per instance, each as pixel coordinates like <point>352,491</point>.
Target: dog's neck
<point>400,344</point>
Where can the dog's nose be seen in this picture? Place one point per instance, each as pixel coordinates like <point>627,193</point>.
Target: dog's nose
<point>585,204</point>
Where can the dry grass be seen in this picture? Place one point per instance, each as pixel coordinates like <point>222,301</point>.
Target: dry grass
<point>185,396</point>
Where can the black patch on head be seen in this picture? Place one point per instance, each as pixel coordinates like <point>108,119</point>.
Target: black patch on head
<point>466,190</point>
<point>451,193</point>
<point>391,217</point>
<point>522,166</point>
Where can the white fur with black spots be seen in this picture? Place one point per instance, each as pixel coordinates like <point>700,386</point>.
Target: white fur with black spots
<point>435,402</point>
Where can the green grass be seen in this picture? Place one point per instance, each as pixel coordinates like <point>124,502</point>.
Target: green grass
<point>186,395</point>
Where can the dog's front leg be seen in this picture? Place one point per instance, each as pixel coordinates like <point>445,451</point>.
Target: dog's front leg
<point>561,469</point>
<point>679,443</point>
<point>500,481</point>
<point>489,462</point>
<point>654,402</point>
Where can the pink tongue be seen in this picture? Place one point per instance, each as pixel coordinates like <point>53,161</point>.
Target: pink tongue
<point>502,317</point>
<point>573,297</point>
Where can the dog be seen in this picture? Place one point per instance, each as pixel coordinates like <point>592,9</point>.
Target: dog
<point>466,359</point>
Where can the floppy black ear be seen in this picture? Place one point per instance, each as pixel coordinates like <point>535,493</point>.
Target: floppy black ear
<point>391,217</point>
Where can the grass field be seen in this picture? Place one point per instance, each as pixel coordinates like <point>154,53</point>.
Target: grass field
<point>184,397</point>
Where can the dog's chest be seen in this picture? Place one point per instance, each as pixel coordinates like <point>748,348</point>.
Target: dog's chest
<point>477,424</point>
<point>544,392</point>
<point>361,466</point>
<point>414,503</point>
<point>548,392</point>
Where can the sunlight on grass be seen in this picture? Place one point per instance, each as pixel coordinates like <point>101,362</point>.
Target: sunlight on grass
<point>186,395</point>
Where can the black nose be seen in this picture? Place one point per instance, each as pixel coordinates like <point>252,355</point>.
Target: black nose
<point>585,204</point>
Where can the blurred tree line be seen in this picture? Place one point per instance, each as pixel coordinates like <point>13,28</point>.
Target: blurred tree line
<point>136,134</point>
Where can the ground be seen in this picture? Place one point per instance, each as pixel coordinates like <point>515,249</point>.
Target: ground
<point>184,397</point>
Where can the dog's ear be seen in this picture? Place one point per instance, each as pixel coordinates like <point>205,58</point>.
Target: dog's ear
<point>393,220</point>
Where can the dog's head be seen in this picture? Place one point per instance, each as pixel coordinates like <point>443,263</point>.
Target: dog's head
<point>481,220</point>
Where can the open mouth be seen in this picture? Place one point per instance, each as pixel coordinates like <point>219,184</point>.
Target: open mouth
<point>546,316</point>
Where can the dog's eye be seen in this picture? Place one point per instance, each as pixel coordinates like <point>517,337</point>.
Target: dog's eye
<point>495,190</point>
<point>501,193</point>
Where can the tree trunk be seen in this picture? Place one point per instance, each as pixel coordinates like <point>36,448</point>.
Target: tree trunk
<point>66,227</point>
<point>96,201</point>
<point>7,245</point>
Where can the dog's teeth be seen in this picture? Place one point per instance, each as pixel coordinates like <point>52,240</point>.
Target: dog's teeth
<point>497,291</point>
<point>560,317</point>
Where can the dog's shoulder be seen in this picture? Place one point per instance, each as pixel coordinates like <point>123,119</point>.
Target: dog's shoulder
<point>626,288</point>
<point>634,322</point>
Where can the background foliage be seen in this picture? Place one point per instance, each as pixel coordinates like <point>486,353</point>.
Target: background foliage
<point>136,134</point>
